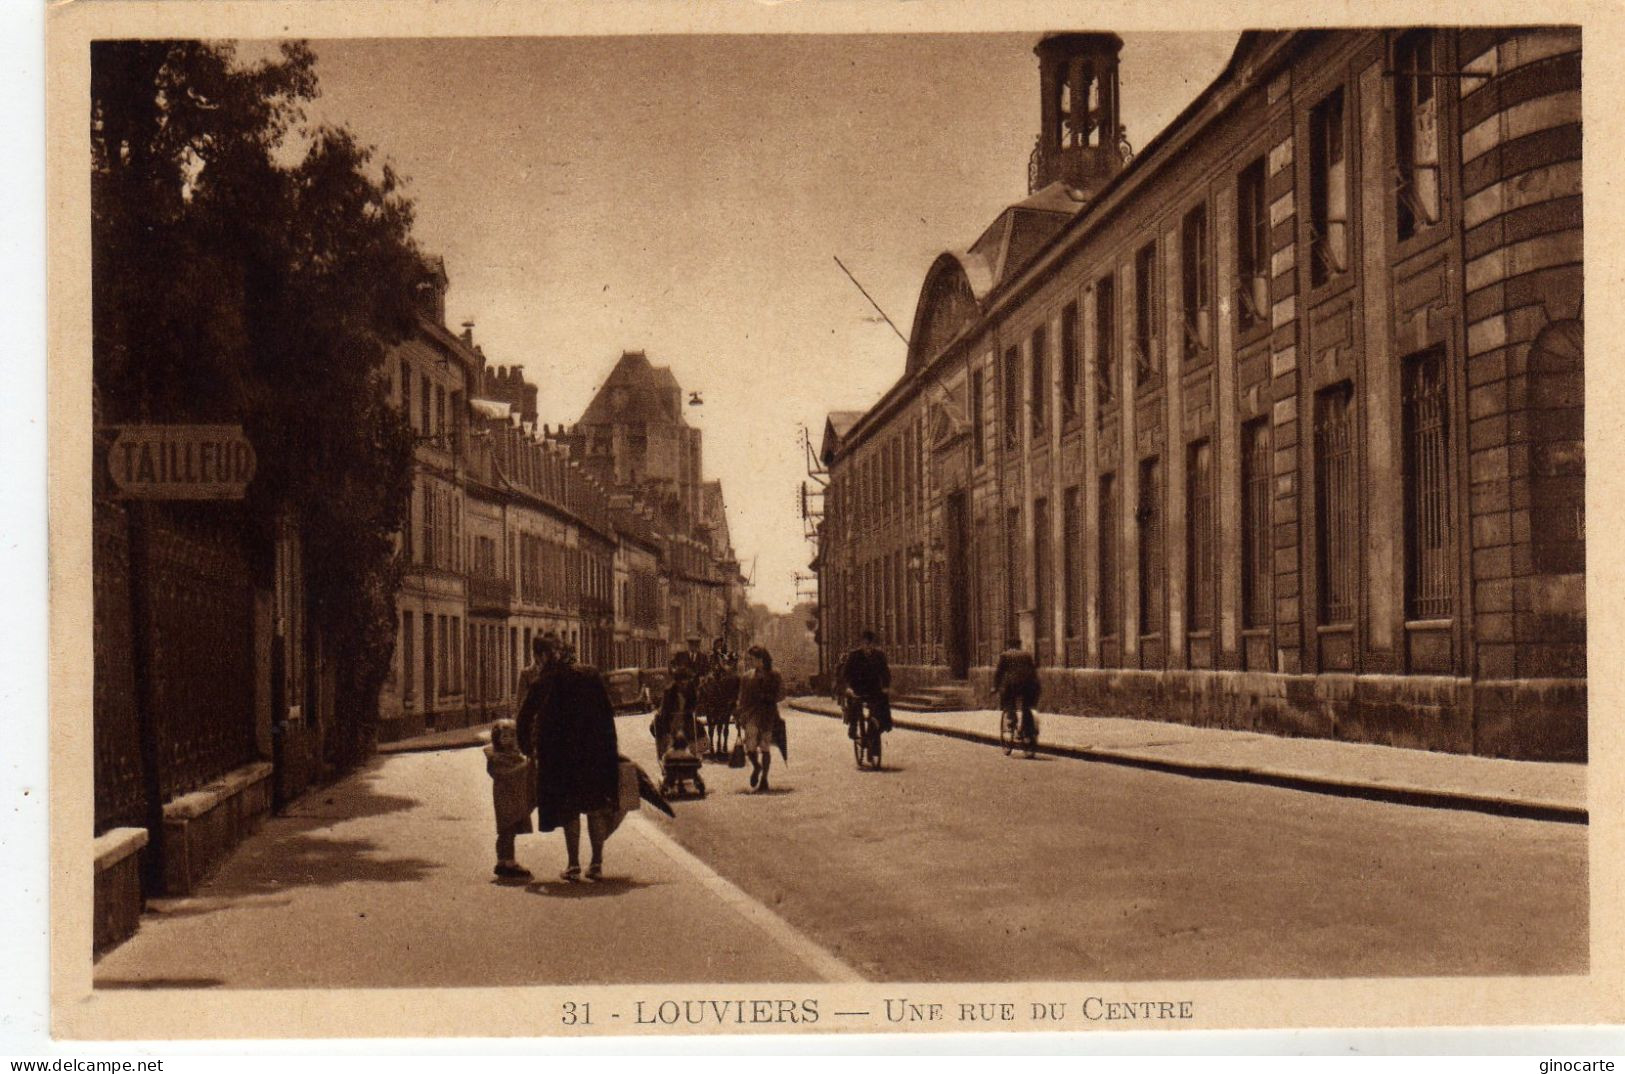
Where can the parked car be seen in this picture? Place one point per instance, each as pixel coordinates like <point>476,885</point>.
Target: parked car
<point>627,692</point>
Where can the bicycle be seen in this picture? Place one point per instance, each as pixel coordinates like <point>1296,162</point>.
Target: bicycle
<point>866,734</point>
<point>1013,736</point>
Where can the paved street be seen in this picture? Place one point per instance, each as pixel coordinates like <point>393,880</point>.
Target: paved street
<point>959,863</point>
<point>955,863</point>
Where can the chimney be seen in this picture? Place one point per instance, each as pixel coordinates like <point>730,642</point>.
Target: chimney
<point>468,333</point>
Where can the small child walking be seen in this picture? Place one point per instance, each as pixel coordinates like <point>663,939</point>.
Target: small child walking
<point>513,794</point>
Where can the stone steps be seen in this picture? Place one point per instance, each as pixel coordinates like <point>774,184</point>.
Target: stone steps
<point>947,697</point>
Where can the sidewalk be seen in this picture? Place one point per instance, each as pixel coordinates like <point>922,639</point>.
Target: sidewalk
<point>383,880</point>
<point>455,739</point>
<point>1535,790</point>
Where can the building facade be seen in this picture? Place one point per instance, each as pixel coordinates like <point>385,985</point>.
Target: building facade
<point>516,530</point>
<point>1252,429</point>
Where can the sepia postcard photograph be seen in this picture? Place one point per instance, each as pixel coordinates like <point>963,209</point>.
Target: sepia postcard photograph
<point>896,518</point>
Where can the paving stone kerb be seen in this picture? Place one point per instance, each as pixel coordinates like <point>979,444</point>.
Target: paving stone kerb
<point>1534,790</point>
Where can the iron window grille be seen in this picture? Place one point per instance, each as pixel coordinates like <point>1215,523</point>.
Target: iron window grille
<point>1427,489</point>
<point>1107,555</point>
<point>1336,508</point>
<point>1149,517</point>
<point>1199,534</point>
<point>1072,577</point>
<point>1256,492</point>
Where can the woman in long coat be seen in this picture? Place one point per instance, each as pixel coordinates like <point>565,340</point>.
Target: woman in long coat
<point>758,713</point>
<point>569,725</point>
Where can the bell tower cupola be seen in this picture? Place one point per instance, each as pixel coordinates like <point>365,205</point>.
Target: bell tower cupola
<point>1080,141</point>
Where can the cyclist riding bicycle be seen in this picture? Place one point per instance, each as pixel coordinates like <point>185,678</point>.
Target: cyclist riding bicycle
<point>1015,681</point>
<point>866,677</point>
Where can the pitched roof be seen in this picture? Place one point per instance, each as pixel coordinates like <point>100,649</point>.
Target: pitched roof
<point>636,392</point>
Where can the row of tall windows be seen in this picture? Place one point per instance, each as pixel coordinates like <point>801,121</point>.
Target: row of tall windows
<point>1427,508</point>
<point>885,482</point>
<point>884,594</point>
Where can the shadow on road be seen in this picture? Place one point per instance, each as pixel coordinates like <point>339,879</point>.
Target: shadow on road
<point>292,861</point>
<point>299,848</point>
<point>588,889</point>
<point>353,799</point>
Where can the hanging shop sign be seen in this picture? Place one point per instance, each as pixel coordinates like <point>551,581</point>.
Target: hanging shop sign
<point>181,462</point>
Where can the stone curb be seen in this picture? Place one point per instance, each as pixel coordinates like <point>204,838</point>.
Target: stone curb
<point>1311,782</point>
<point>461,739</point>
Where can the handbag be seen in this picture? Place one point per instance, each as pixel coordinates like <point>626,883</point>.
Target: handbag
<point>736,756</point>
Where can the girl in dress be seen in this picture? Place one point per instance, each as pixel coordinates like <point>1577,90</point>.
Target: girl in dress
<point>758,713</point>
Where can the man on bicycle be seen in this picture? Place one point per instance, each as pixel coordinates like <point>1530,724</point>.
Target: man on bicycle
<point>1015,680</point>
<point>866,677</point>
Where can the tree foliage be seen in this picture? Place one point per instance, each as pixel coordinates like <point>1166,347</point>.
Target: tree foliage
<point>248,269</point>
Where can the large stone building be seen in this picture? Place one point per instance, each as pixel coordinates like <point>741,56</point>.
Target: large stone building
<point>1277,425</point>
<point>634,438</point>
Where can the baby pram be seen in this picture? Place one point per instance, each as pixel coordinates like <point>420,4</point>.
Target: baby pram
<point>679,767</point>
<point>675,730</point>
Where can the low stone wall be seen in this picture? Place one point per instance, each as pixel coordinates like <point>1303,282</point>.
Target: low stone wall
<point>1536,719</point>
<point>117,889</point>
<point>201,828</point>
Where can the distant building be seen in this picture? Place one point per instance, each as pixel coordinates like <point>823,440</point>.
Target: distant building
<point>1276,425</point>
<point>634,438</point>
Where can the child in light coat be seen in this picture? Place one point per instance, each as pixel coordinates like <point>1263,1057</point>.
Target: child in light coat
<point>513,794</point>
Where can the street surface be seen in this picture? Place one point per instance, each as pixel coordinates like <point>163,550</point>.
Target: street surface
<point>954,863</point>
<point>959,863</point>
